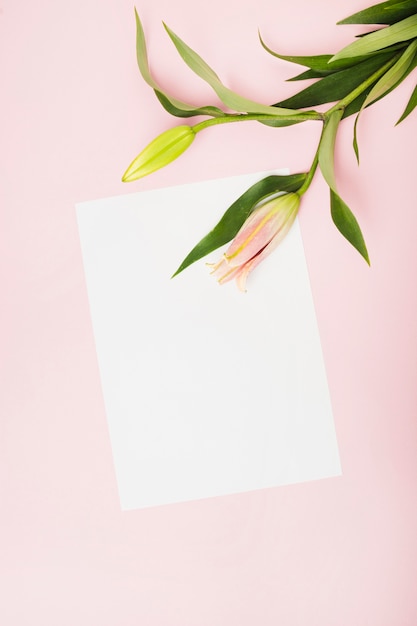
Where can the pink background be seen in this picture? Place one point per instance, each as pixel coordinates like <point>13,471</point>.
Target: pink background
<point>74,112</point>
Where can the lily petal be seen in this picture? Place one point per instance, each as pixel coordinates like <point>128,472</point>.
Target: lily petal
<point>262,232</point>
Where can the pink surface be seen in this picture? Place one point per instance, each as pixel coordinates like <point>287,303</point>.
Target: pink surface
<point>74,113</point>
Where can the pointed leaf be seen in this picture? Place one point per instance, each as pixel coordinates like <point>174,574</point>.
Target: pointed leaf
<point>401,31</point>
<point>319,63</point>
<point>337,85</point>
<point>347,224</point>
<point>231,99</point>
<point>172,105</point>
<point>308,74</point>
<point>356,105</point>
<point>237,213</point>
<point>412,103</point>
<point>342,216</point>
<point>385,84</point>
<point>326,148</point>
<point>355,139</point>
<point>383,13</point>
<point>393,76</point>
<point>332,68</point>
<point>368,33</point>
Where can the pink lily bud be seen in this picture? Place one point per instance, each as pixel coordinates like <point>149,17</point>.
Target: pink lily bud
<point>264,229</point>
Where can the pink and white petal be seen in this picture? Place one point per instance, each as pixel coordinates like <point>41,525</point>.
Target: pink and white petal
<point>252,238</point>
<point>260,228</point>
<point>244,272</point>
<point>223,271</point>
<point>230,275</point>
<point>248,267</point>
<point>252,223</point>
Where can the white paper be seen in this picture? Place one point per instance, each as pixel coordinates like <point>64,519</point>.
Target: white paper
<point>208,391</point>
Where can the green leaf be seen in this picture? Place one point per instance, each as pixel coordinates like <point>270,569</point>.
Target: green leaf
<point>356,105</point>
<point>383,13</point>
<point>238,212</point>
<point>342,216</point>
<point>172,105</point>
<point>355,138</point>
<point>231,99</point>
<point>412,103</point>
<point>385,84</point>
<point>337,85</point>
<point>308,74</point>
<point>393,76</point>
<point>347,224</point>
<point>319,63</point>
<point>401,31</point>
<point>326,148</point>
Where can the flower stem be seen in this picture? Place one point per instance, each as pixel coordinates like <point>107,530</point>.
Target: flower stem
<point>253,117</point>
<point>310,175</point>
<point>341,105</point>
<point>302,116</point>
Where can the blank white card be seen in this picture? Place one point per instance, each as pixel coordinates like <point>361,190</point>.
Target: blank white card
<point>208,391</point>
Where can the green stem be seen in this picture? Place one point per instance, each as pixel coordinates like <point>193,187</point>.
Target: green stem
<point>302,117</point>
<point>342,104</point>
<point>253,117</point>
<point>310,175</point>
<point>298,116</point>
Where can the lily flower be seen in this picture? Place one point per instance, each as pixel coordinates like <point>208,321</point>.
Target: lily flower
<point>162,150</point>
<point>262,232</point>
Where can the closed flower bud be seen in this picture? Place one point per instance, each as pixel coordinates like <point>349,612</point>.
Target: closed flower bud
<point>264,229</point>
<point>160,152</point>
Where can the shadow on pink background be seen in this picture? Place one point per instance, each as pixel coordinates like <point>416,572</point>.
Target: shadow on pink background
<point>74,112</point>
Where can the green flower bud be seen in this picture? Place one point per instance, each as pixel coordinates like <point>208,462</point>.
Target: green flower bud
<point>161,151</point>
